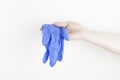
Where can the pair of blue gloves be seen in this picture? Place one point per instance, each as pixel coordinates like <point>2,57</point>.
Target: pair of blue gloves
<point>53,40</point>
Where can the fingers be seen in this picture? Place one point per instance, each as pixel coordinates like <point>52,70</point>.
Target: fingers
<point>61,24</point>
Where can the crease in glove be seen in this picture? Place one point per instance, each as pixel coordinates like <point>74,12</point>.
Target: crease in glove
<point>53,40</point>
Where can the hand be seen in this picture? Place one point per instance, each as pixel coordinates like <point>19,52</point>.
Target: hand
<point>75,30</point>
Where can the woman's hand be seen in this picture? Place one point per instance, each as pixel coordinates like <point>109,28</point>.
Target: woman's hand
<point>75,30</point>
<point>107,41</point>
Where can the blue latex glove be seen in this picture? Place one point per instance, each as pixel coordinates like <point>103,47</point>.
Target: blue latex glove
<point>53,40</point>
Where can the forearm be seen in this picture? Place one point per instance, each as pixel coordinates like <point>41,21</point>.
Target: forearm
<point>108,41</point>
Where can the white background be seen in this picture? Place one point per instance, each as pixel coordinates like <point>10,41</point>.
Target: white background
<point>21,50</point>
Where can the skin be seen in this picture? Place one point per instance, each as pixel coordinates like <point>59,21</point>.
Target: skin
<point>108,41</point>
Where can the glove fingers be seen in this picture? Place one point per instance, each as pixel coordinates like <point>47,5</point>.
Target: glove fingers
<point>64,33</point>
<point>54,49</point>
<point>53,59</point>
<point>60,56</point>
<point>45,57</point>
<point>45,34</point>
